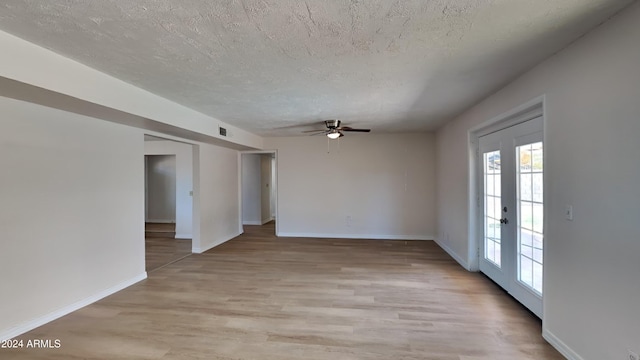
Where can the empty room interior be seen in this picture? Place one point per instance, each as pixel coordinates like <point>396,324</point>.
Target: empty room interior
<point>256,179</point>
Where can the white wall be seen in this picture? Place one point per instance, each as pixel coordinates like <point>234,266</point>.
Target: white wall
<point>384,183</point>
<point>216,196</point>
<point>184,181</point>
<point>274,189</point>
<point>592,279</point>
<point>265,188</point>
<point>72,214</point>
<point>160,194</point>
<point>79,88</point>
<point>251,191</point>
<point>71,175</point>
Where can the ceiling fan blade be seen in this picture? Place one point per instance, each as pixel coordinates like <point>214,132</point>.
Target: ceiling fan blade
<point>355,130</point>
<point>320,133</point>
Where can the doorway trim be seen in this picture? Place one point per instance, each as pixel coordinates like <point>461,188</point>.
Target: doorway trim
<point>195,174</point>
<point>527,111</point>
<point>275,172</point>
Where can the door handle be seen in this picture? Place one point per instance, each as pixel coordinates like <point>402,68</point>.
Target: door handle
<point>504,221</point>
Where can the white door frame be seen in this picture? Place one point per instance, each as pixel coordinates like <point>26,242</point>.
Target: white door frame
<point>195,175</point>
<point>274,170</point>
<point>522,113</point>
<point>506,272</point>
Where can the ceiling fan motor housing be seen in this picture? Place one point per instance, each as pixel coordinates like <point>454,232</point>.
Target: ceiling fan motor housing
<point>332,124</point>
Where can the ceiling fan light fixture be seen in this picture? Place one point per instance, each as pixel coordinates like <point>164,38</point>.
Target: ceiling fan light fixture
<point>333,134</point>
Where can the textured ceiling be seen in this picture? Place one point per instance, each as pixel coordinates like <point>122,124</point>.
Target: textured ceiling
<point>270,66</point>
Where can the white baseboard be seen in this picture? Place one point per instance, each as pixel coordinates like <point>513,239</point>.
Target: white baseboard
<point>199,250</point>
<point>453,254</point>
<point>160,221</point>
<point>357,236</point>
<point>256,222</point>
<point>184,236</point>
<point>32,324</point>
<point>565,350</point>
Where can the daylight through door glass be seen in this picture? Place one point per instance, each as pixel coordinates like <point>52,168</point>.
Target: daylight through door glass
<point>530,210</point>
<point>492,205</point>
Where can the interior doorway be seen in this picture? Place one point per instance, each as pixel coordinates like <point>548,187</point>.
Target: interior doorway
<point>168,201</point>
<point>258,178</point>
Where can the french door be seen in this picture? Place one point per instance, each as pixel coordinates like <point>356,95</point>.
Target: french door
<point>511,202</point>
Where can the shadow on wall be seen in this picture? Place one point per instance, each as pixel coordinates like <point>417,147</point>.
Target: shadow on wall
<point>258,188</point>
<point>160,186</point>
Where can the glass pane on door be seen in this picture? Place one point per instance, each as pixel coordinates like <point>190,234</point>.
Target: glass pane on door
<point>530,210</point>
<point>492,207</point>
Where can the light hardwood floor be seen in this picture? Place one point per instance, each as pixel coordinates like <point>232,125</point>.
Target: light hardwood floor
<point>261,297</point>
<point>161,246</point>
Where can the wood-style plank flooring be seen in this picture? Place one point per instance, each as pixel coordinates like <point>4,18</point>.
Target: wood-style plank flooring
<point>161,246</point>
<point>261,297</point>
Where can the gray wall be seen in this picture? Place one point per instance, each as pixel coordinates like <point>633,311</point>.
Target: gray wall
<point>160,188</point>
<point>265,188</point>
<point>256,188</point>
<point>251,190</point>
